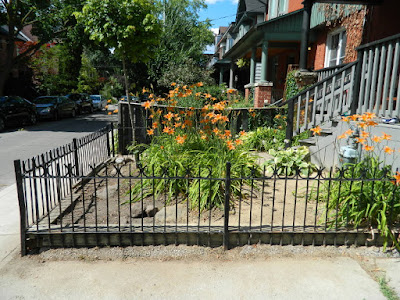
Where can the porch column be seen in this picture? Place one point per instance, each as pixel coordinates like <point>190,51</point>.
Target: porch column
<point>264,60</point>
<point>231,75</point>
<point>253,65</point>
<point>305,32</point>
<point>221,75</point>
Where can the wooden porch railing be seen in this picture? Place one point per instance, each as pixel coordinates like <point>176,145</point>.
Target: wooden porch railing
<point>372,83</point>
<point>321,102</point>
<point>379,84</point>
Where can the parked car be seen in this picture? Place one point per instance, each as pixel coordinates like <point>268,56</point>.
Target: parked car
<point>99,102</point>
<point>54,107</point>
<point>16,110</point>
<point>83,102</point>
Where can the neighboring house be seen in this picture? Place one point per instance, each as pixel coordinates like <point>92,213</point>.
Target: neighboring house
<point>268,35</point>
<point>338,31</point>
<point>355,50</point>
<point>20,76</point>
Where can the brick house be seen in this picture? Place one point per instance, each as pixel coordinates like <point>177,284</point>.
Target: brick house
<point>268,36</point>
<point>337,33</point>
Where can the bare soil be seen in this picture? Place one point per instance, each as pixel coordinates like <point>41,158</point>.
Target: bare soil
<point>268,205</point>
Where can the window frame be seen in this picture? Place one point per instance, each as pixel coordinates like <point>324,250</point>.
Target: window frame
<point>274,9</point>
<point>328,47</point>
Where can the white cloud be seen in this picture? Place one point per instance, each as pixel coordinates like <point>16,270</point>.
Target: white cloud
<point>235,1</point>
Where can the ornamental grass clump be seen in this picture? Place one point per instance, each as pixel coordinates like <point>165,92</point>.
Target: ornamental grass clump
<point>187,144</point>
<point>366,193</point>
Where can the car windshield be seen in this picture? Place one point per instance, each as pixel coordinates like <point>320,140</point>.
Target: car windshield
<point>95,97</point>
<point>45,100</point>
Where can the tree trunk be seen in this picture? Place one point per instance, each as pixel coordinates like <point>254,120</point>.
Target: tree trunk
<point>131,115</point>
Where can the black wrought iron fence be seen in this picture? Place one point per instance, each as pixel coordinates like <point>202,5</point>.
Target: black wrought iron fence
<point>45,179</point>
<point>121,203</point>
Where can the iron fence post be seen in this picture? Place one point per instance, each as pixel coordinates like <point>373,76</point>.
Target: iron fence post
<point>226,205</point>
<point>108,129</point>
<point>76,158</point>
<point>22,205</point>
<point>112,139</point>
<point>289,123</point>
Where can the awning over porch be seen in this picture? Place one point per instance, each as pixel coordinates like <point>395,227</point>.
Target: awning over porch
<point>281,29</point>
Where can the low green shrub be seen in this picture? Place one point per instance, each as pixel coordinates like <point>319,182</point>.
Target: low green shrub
<point>289,161</point>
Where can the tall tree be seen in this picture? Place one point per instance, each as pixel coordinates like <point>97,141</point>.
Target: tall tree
<point>15,15</point>
<point>183,37</point>
<point>127,26</point>
<point>50,20</point>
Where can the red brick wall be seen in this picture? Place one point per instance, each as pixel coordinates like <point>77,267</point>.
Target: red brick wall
<point>316,56</point>
<point>354,31</point>
<point>295,5</point>
<point>262,93</point>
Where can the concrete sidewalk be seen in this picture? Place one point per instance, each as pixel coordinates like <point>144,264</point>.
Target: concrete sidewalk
<point>76,274</point>
<point>250,272</point>
<point>9,223</point>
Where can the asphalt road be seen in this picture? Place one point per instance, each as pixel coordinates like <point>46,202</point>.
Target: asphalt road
<point>26,142</point>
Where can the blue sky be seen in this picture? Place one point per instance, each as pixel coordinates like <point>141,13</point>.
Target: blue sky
<point>221,12</point>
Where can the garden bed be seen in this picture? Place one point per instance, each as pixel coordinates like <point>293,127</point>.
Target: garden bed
<point>105,200</point>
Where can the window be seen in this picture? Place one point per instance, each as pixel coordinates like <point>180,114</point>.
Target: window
<point>277,8</point>
<point>335,48</point>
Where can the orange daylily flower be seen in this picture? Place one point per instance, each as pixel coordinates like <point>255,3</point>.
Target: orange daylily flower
<point>316,130</point>
<point>364,134</point>
<point>368,148</point>
<point>227,133</point>
<point>173,84</point>
<point>109,101</point>
<point>361,140</point>
<point>216,130</point>
<point>242,133</point>
<point>362,125</point>
<point>109,113</point>
<point>230,145</point>
<point>388,150</point>
<point>397,178</point>
<point>277,116</point>
<point>147,104</point>
<point>342,136</point>
<point>354,117</point>
<point>371,123</point>
<point>168,130</point>
<point>169,116</point>
<point>239,142</point>
<point>376,139</point>
<point>188,122</point>
<point>349,132</point>
<point>199,84</point>
<point>150,131</point>
<point>386,136</point>
<point>180,139</point>
<point>176,125</point>
<point>155,125</point>
<point>345,119</point>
